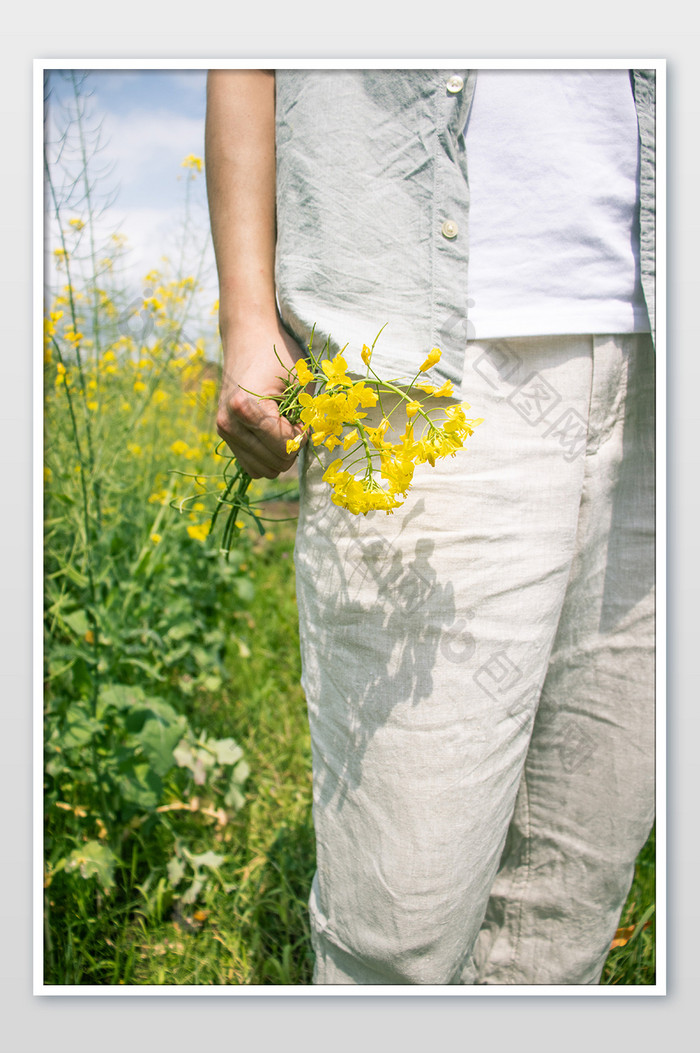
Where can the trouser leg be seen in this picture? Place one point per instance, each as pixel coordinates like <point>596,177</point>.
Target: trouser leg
<point>586,801</point>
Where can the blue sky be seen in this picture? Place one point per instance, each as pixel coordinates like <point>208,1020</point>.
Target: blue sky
<point>151,120</point>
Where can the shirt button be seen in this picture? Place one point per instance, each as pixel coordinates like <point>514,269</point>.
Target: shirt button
<point>449,228</point>
<point>454,84</point>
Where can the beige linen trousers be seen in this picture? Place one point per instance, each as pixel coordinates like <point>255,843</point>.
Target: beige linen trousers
<point>479,672</point>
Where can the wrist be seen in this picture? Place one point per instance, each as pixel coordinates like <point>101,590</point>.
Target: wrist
<point>246,317</point>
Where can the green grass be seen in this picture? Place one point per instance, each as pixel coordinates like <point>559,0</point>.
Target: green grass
<point>635,962</point>
<point>253,927</point>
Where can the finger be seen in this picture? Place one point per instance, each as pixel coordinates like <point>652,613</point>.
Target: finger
<point>261,415</point>
<point>256,457</point>
<point>256,433</point>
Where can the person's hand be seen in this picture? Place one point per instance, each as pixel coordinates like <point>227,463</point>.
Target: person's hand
<point>252,427</point>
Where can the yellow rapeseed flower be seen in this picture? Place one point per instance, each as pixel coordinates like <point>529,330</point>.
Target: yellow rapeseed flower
<point>335,369</point>
<point>193,162</point>
<point>198,531</point>
<point>398,472</point>
<point>376,435</point>
<point>208,388</point>
<point>432,358</point>
<point>303,372</point>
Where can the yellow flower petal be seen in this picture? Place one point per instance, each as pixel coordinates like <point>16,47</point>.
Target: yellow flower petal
<point>303,372</point>
<point>432,358</point>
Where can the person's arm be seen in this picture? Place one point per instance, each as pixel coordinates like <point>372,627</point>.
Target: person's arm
<point>240,171</point>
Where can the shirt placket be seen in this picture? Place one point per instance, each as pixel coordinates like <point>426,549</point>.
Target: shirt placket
<point>450,255</point>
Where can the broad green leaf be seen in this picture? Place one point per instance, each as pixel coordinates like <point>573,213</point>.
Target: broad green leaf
<point>150,669</point>
<point>152,707</point>
<point>176,654</point>
<point>56,765</point>
<point>241,772</point>
<point>79,728</point>
<point>59,667</point>
<point>176,871</point>
<point>161,709</point>
<point>205,659</point>
<point>215,638</point>
<point>234,798</point>
<point>193,891</point>
<point>121,696</point>
<point>206,859</point>
<point>141,787</point>
<point>158,740</point>
<point>184,754</point>
<point>227,751</point>
<point>77,621</point>
<point>197,760</point>
<point>179,631</point>
<point>93,860</point>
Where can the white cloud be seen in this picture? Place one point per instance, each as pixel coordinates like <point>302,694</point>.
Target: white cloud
<point>144,145</point>
<point>147,151</point>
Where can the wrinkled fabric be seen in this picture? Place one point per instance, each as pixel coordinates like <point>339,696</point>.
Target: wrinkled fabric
<point>479,673</point>
<point>371,165</point>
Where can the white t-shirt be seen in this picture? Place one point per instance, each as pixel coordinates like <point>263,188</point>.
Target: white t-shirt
<point>553,216</point>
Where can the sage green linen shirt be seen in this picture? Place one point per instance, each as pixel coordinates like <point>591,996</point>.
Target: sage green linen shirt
<point>373,209</point>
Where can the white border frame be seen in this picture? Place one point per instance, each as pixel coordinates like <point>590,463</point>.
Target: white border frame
<point>43,65</point>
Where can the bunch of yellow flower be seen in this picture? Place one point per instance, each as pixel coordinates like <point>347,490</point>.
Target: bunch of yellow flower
<point>372,472</point>
<point>334,416</point>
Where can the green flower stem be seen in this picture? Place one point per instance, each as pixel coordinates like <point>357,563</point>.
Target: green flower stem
<point>91,615</point>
